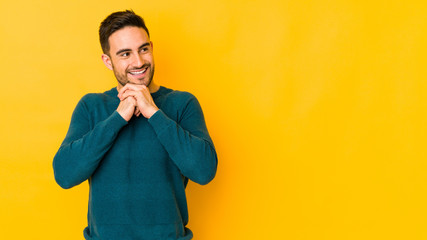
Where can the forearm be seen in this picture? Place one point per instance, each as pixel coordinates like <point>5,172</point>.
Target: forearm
<point>195,156</point>
<point>79,156</point>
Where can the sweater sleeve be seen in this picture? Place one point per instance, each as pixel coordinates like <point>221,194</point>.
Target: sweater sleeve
<point>84,147</point>
<point>188,142</point>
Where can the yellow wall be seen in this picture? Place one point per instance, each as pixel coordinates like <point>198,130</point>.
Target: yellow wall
<point>317,110</point>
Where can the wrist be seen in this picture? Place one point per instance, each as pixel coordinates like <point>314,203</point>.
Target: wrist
<point>152,112</point>
<point>125,116</point>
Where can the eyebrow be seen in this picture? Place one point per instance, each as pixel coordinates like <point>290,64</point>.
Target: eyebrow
<point>128,49</point>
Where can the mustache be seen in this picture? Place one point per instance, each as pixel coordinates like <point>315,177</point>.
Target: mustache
<point>140,68</point>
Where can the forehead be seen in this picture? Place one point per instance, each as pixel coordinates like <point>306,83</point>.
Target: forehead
<point>128,37</point>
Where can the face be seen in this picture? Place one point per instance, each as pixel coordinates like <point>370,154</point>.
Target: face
<point>130,56</point>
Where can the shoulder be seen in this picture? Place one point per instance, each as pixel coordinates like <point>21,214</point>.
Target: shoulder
<point>93,97</point>
<point>99,97</point>
<point>177,104</point>
<point>178,96</point>
<point>92,100</point>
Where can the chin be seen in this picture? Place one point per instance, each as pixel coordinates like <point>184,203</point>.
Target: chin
<point>136,81</point>
<point>140,83</point>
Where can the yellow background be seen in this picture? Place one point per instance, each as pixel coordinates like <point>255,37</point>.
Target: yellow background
<point>317,110</point>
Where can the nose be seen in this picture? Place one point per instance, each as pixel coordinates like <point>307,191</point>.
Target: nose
<point>138,61</point>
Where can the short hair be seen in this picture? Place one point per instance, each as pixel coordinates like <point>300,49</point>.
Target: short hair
<point>117,21</point>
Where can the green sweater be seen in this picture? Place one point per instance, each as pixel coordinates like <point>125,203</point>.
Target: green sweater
<point>137,170</point>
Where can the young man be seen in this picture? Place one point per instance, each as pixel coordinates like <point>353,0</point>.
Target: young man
<point>137,144</point>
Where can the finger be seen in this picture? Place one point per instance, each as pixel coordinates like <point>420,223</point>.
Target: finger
<point>131,86</point>
<point>132,99</point>
<point>123,89</point>
<point>126,99</point>
<point>135,87</point>
<point>129,93</point>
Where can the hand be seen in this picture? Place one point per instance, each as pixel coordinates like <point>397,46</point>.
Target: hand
<point>144,102</point>
<point>126,108</point>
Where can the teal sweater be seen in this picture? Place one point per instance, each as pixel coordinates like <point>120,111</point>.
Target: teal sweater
<point>137,170</point>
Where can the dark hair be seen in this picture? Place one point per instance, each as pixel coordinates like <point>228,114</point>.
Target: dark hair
<point>117,21</point>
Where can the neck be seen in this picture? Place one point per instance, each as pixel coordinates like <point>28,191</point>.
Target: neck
<point>153,87</point>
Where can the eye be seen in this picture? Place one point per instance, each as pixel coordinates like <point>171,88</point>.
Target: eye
<point>125,54</point>
<point>145,49</point>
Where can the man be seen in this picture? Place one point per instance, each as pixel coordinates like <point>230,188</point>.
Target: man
<point>137,144</point>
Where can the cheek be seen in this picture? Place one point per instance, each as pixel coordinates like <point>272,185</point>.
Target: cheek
<point>149,58</point>
<point>122,66</point>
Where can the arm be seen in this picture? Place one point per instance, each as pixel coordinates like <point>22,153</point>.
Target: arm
<point>188,142</point>
<point>83,148</point>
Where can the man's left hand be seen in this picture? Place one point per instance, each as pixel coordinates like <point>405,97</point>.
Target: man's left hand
<point>144,102</point>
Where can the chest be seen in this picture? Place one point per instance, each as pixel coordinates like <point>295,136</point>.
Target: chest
<point>136,154</point>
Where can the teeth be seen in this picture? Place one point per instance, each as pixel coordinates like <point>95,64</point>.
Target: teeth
<point>136,73</point>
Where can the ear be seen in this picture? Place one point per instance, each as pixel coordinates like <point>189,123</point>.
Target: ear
<point>107,61</point>
<point>151,44</point>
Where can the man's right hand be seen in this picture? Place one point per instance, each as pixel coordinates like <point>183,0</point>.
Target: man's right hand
<point>126,108</point>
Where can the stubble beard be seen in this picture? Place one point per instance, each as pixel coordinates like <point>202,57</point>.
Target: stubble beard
<point>122,79</point>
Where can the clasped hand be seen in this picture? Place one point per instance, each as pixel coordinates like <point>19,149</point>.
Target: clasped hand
<point>135,100</point>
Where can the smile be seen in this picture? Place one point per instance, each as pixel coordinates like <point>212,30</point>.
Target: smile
<point>138,72</point>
